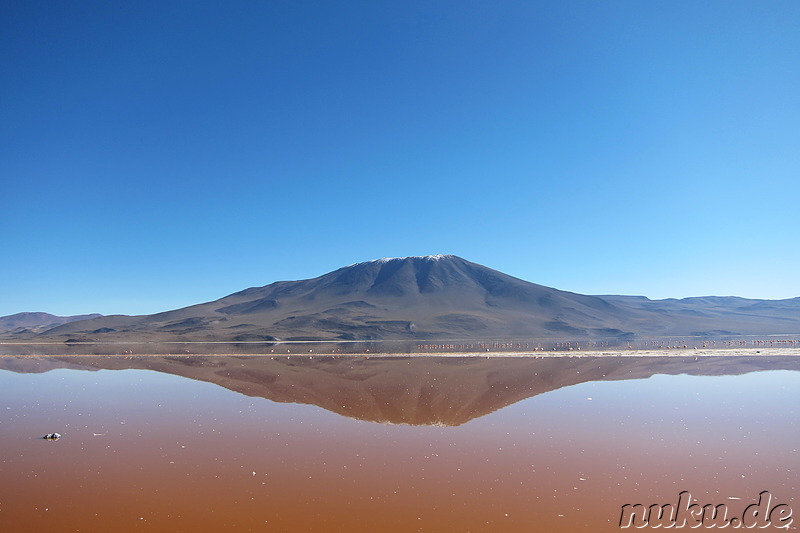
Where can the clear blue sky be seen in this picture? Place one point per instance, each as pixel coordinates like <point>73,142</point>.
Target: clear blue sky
<point>156,154</point>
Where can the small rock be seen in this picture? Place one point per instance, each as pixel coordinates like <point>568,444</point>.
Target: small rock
<point>52,436</point>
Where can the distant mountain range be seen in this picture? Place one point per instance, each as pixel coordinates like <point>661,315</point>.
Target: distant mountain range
<point>419,298</point>
<point>33,323</point>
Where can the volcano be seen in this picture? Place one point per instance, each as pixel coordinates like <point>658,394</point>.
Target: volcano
<point>429,298</point>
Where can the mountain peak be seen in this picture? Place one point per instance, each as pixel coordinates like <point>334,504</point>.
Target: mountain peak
<point>429,258</point>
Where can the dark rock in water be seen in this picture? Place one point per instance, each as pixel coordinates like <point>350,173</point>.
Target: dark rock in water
<point>52,436</point>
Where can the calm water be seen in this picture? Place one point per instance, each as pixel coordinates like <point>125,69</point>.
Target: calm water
<point>214,444</point>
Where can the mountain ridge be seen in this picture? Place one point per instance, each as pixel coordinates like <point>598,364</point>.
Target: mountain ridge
<point>37,321</point>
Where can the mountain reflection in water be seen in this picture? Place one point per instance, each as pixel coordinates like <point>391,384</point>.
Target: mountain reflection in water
<point>442,391</point>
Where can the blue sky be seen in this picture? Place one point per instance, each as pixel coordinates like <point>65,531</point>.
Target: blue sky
<point>159,154</point>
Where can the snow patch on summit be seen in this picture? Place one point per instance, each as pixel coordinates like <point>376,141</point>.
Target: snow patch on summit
<point>432,258</point>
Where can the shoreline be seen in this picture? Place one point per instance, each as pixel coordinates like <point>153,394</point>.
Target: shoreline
<point>663,352</point>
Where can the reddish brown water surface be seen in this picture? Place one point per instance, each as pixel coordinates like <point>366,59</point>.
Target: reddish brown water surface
<point>228,444</point>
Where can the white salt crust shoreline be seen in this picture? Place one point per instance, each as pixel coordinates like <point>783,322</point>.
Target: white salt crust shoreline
<point>678,352</point>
